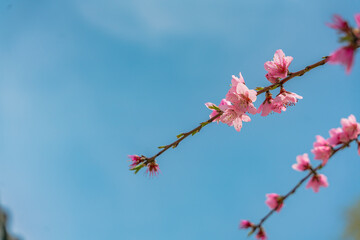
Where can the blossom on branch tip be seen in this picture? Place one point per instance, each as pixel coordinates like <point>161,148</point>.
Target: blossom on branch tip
<point>244,224</point>
<point>135,159</point>
<point>274,201</point>
<point>322,149</point>
<point>303,163</point>
<point>350,127</point>
<point>261,234</point>
<point>357,19</point>
<point>339,24</point>
<point>278,67</point>
<point>344,56</point>
<point>317,181</point>
<point>152,169</point>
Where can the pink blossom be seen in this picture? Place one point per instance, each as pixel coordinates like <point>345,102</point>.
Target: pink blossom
<point>152,169</point>
<point>350,128</point>
<point>357,19</point>
<point>274,201</point>
<point>240,95</point>
<point>335,136</point>
<point>269,105</point>
<point>233,116</point>
<point>135,159</point>
<point>278,68</point>
<point>322,149</point>
<point>261,234</point>
<point>317,181</point>
<point>224,104</point>
<point>271,78</point>
<point>245,224</point>
<point>339,24</point>
<point>285,98</point>
<point>303,163</point>
<point>345,56</point>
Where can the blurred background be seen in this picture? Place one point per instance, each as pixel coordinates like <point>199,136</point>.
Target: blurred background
<point>84,83</point>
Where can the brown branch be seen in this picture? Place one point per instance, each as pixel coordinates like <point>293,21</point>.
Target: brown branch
<point>265,89</point>
<point>293,190</point>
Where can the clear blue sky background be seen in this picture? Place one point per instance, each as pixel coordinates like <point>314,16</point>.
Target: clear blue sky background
<point>84,83</point>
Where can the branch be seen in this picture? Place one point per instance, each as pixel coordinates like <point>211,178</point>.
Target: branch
<point>293,190</point>
<point>182,136</point>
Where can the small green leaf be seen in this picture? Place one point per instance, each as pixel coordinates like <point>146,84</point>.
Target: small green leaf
<point>195,132</point>
<point>345,39</point>
<point>203,124</point>
<point>137,168</point>
<point>259,88</point>
<point>275,86</point>
<point>215,108</point>
<point>162,147</point>
<point>180,135</point>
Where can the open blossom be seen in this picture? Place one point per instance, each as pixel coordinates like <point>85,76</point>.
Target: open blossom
<point>269,105</point>
<point>261,234</point>
<point>322,149</point>
<point>135,159</point>
<point>245,224</point>
<point>278,67</point>
<point>286,98</point>
<point>224,104</point>
<point>152,169</point>
<point>350,127</point>
<point>344,56</point>
<point>233,116</point>
<point>240,95</point>
<point>335,136</point>
<point>357,19</point>
<point>303,163</point>
<point>317,181</point>
<point>339,24</point>
<point>274,201</point>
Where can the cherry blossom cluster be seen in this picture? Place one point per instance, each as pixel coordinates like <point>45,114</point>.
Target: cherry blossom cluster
<point>239,100</point>
<point>345,55</point>
<point>323,150</point>
<point>238,103</point>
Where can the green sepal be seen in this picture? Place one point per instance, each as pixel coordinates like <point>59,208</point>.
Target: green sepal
<point>251,232</point>
<point>259,88</point>
<point>137,168</point>
<point>203,124</point>
<point>215,108</point>
<point>275,86</point>
<point>346,38</point>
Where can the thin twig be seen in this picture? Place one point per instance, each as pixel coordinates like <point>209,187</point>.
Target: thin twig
<point>293,190</point>
<point>265,89</point>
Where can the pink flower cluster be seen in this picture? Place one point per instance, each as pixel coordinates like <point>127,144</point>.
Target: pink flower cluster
<point>345,54</point>
<point>240,99</point>
<point>323,150</point>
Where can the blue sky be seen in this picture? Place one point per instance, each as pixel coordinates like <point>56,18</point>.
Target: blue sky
<point>85,83</point>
